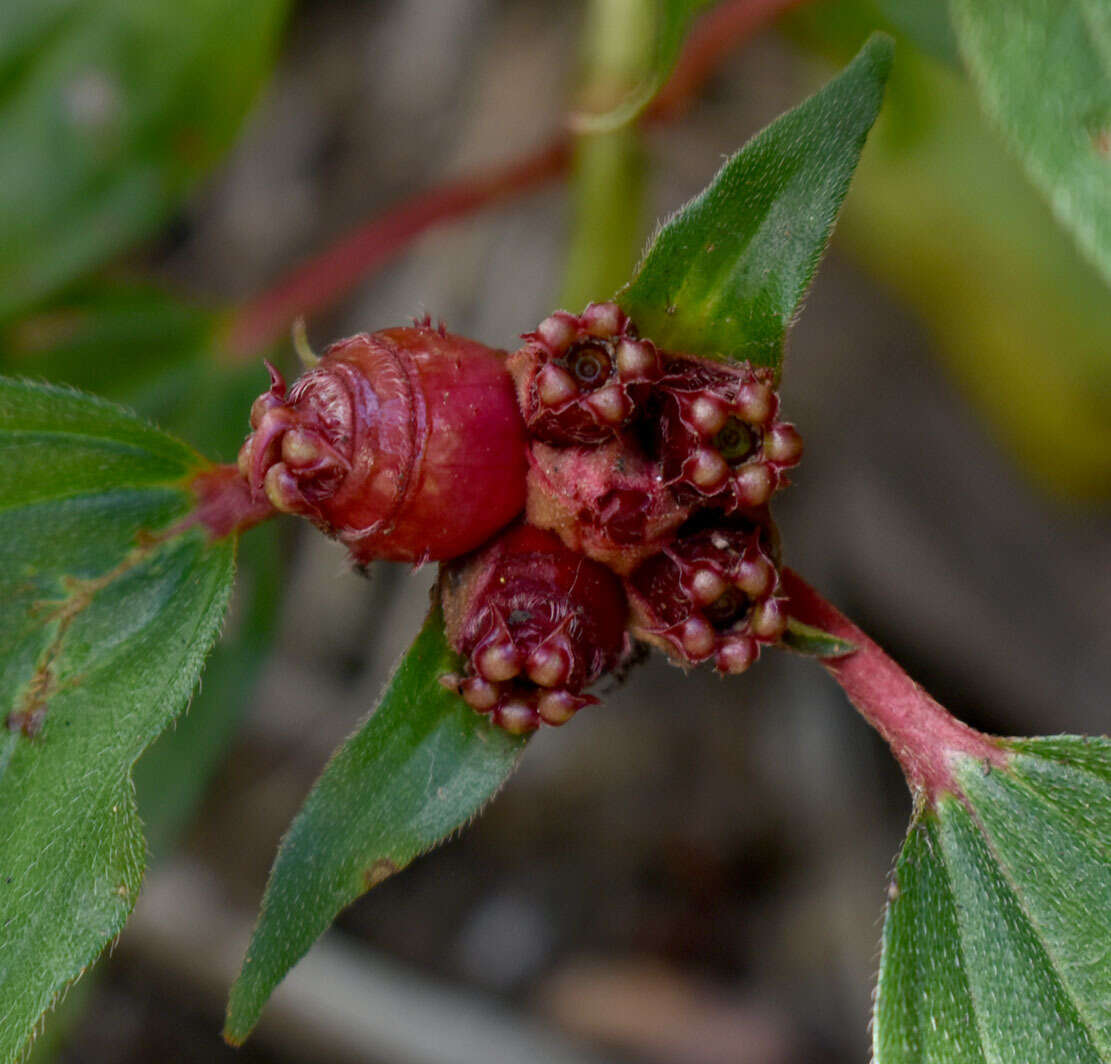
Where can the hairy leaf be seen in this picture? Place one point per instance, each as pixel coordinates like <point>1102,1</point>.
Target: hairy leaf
<point>105,620</point>
<point>725,276</point>
<point>997,941</point>
<point>109,112</point>
<point>1043,69</point>
<point>422,765</point>
<point>140,345</point>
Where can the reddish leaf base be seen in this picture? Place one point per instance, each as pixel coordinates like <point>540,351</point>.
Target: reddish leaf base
<point>923,735</point>
<point>225,503</point>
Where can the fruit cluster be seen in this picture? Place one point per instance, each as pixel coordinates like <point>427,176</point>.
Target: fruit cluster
<point>587,489</point>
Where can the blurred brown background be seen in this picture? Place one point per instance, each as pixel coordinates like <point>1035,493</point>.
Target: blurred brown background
<point>695,872</point>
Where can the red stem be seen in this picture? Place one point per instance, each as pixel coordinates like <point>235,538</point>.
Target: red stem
<point>922,734</point>
<point>324,279</point>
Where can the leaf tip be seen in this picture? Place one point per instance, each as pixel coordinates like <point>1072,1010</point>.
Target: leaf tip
<point>879,53</point>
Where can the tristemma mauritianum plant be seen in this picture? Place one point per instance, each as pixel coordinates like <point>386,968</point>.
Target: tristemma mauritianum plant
<point>605,486</point>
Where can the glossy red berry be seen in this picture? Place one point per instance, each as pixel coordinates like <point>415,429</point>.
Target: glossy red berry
<point>711,593</point>
<point>536,624</point>
<point>405,444</point>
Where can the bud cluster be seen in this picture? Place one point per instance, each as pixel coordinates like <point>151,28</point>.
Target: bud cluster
<point>644,477</point>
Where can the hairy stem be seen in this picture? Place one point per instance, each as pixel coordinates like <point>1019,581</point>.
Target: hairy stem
<point>922,734</point>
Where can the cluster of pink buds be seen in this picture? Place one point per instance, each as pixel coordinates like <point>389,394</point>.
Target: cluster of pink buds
<point>644,477</point>
<point>536,623</point>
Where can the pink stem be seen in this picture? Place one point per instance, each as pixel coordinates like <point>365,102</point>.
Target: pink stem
<point>922,734</point>
<point>324,279</point>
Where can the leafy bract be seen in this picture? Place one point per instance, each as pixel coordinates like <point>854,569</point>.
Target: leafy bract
<point>421,766</point>
<point>109,112</point>
<point>997,943</point>
<point>670,23</point>
<point>105,619</point>
<point>725,275</point>
<point>1043,69</point>
<point>814,642</point>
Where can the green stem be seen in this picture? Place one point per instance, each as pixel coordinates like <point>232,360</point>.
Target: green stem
<point>606,183</point>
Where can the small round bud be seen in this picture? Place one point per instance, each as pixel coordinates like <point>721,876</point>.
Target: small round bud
<point>755,402</point>
<point>517,717</point>
<point>753,485</point>
<point>603,319</point>
<point>708,415</point>
<point>707,586</point>
<point>697,638</point>
<point>783,444</point>
<point>769,620</point>
<point>637,360</point>
<point>736,654</point>
<point>498,661</point>
<point>555,386</point>
<point>755,576</point>
<point>707,470</point>
<point>610,405</point>
<point>558,707</point>
<point>479,694</point>
<point>558,331</point>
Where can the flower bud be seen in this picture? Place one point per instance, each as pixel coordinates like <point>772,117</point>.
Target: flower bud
<point>405,444</point>
<point>536,622</point>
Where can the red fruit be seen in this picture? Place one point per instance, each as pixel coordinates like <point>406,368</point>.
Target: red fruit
<point>536,622</point>
<point>710,593</point>
<point>578,376</point>
<point>406,444</point>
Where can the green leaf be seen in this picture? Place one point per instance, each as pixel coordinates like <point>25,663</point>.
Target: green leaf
<point>104,626</point>
<point>670,23</point>
<point>813,642</point>
<point>141,345</point>
<point>423,765</point>
<point>110,110</point>
<point>1043,69</point>
<point>725,276</point>
<point>998,932</point>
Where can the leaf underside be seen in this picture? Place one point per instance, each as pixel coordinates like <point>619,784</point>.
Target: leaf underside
<point>423,765</point>
<point>997,942</point>
<point>103,631</point>
<point>726,275</point>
